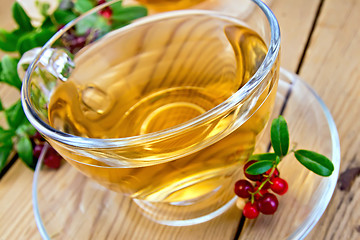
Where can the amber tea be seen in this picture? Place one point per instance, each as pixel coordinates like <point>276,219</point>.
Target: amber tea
<point>164,74</point>
<point>167,5</point>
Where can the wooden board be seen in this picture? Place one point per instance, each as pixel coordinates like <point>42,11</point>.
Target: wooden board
<point>330,66</point>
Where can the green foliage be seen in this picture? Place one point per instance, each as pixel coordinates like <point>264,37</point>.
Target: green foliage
<point>280,136</point>
<point>8,72</point>
<point>83,6</point>
<point>313,161</point>
<point>25,151</point>
<point>93,22</point>
<point>259,167</point>
<point>21,18</point>
<point>8,41</point>
<point>27,37</point>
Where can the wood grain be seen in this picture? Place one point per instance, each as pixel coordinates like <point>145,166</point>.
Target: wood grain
<point>330,66</point>
<point>17,219</point>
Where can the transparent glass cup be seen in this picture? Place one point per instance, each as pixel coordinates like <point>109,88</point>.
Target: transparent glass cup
<point>165,110</point>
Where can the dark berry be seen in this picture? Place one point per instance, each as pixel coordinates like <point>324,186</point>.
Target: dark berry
<point>266,185</point>
<point>38,136</point>
<point>242,188</point>
<point>268,204</point>
<point>279,186</point>
<point>37,150</point>
<point>251,211</point>
<point>274,174</point>
<point>260,194</point>
<point>249,176</point>
<point>52,159</point>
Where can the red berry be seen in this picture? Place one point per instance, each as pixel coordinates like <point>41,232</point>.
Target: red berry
<point>106,12</point>
<point>242,188</point>
<point>279,186</point>
<point>251,211</point>
<point>266,185</point>
<point>249,176</point>
<point>52,159</point>
<point>274,174</point>
<point>268,204</point>
<point>37,150</point>
<point>38,136</point>
<point>260,194</point>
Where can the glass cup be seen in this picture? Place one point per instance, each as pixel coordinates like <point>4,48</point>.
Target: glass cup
<point>165,110</point>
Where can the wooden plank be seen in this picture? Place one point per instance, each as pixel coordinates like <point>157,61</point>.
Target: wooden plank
<point>331,66</point>
<point>21,225</point>
<point>64,216</point>
<point>17,219</point>
<point>295,18</point>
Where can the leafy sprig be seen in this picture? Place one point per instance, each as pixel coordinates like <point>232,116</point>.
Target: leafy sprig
<point>17,134</point>
<point>313,161</point>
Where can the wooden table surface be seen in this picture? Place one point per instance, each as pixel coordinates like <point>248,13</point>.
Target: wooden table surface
<point>320,42</point>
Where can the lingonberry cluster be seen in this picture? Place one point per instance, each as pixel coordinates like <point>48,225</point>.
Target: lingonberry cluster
<point>105,12</point>
<point>51,159</point>
<point>255,196</point>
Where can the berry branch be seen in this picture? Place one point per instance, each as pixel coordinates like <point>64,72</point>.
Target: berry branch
<point>262,169</point>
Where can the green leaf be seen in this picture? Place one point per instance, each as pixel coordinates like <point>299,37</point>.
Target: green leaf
<point>128,14</point>
<point>25,129</point>
<point>5,135</point>
<point>83,6</point>
<point>280,136</point>
<point>1,106</point>
<point>9,72</point>
<point>47,23</point>
<point>43,35</point>
<point>8,41</point>
<point>4,154</point>
<point>259,167</point>
<point>277,160</point>
<point>64,16</point>
<point>93,23</point>
<point>21,18</point>
<point>25,151</point>
<point>35,39</point>
<point>15,115</point>
<point>26,43</point>
<point>263,156</point>
<point>315,162</point>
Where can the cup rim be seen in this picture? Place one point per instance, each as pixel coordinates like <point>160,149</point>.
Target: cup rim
<point>233,100</point>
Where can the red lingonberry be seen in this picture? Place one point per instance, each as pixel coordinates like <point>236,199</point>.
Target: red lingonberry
<point>266,185</point>
<point>249,176</point>
<point>260,194</point>
<point>251,211</point>
<point>275,174</point>
<point>268,204</point>
<point>106,12</point>
<point>279,186</point>
<point>37,150</point>
<point>242,188</point>
<point>52,158</point>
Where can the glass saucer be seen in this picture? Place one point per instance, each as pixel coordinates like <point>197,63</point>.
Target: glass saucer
<point>68,205</point>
